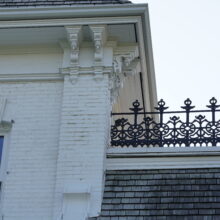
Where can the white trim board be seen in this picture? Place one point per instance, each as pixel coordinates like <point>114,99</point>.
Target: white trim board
<point>71,11</point>
<point>69,21</point>
<point>31,77</point>
<point>152,163</point>
<point>162,158</point>
<point>162,151</point>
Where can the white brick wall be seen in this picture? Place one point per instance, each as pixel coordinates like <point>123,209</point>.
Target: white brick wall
<point>29,186</point>
<point>83,138</point>
<point>34,173</point>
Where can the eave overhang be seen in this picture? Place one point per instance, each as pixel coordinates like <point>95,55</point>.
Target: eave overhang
<point>90,14</point>
<point>75,11</point>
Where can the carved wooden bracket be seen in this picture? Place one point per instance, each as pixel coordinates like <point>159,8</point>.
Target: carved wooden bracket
<point>74,38</point>
<point>99,34</point>
<point>125,63</point>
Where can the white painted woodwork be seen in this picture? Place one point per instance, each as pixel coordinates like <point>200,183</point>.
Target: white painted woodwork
<point>60,78</point>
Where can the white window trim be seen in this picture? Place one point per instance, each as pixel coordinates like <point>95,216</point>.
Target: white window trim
<point>4,159</point>
<point>4,162</point>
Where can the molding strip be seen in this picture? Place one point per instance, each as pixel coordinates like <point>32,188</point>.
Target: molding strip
<point>162,158</point>
<point>163,163</point>
<point>161,151</point>
<point>30,77</point>
<point>66,22</point>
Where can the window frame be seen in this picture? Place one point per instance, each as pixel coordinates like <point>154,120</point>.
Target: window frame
<point>4,158</point>
<point>3,165</point>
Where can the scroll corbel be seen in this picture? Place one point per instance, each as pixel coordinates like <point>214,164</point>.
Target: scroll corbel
<point>99,34</point>
<point>126,63</point>
<point>74,38</point>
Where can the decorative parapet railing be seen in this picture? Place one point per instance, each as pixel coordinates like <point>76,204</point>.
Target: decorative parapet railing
<point>146,129</point>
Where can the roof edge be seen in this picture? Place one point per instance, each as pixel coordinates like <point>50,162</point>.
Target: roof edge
<point>43,3</point>
<point>75,11</point>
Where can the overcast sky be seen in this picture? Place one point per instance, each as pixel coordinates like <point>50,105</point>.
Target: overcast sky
<point>186,46</point>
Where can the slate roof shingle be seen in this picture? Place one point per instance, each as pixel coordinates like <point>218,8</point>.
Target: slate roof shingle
<point>38,3</point>
<point>162,194</point>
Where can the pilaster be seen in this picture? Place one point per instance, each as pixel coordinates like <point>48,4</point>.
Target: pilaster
<point>84,135</point>
<point>89,87</point>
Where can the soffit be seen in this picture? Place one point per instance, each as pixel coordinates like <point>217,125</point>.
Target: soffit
<point>49,35</point>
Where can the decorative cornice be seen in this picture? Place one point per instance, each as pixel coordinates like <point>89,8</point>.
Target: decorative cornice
<point>74,38</point>
<point>125,57</point>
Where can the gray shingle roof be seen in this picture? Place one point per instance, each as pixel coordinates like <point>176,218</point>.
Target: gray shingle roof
<point>162,194</point>
<point>37,3</point>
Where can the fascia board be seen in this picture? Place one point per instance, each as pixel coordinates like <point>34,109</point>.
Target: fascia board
<point>71,11</point>
<point>149,59</point>
<point>68,21</point>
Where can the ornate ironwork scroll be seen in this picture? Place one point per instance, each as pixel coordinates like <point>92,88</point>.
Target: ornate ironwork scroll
<point>146,130</point>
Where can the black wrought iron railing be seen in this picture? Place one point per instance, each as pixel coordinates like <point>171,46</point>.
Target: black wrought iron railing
<point>170,128</point>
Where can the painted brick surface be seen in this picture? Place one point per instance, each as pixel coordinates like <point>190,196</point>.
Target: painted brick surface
<point>28,188</point>
<point>162,194</point>
<point>83,137</point>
